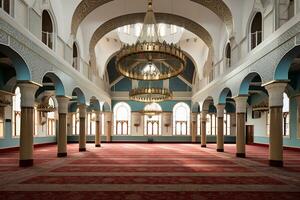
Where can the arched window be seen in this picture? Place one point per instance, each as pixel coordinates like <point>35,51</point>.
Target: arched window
<point>181,119</point>
<point>16,118</point>
<point>211,127</point>
<point>291,9</point>
<point>122,115</point>
<point>75,63</point>
<point>226,127</point>
<point>75,122</point>
<point>5,5</point>
<point>91,123</point>
<point>256,30</point>
<point>286,115</point>
<point>228,55</point>
<point>51,118</point>
<point>152,125</point>
<point>47,30</point>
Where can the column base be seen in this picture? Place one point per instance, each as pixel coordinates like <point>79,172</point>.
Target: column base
<point>220,150</point>
<point>203,145</point>
<point>26,163</point>
<point>276,163</point>
<point>98,145</point>
<point>60,155</point>
<point>241,155</point>
<point>82,149</point>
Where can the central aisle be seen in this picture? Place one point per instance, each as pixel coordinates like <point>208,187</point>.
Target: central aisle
<point>150,171</point>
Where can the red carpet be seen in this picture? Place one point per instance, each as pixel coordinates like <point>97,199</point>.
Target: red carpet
<point>150,171</point>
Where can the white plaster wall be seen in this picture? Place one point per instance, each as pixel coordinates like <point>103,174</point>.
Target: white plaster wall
<point>197,49</point>
<point>260,125</point>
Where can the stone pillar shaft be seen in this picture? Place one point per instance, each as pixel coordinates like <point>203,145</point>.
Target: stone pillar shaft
<point>26,137</point>
<point>241,106</point>
<point>98,131</point>
<point>82,127</point>
<point>194,127</point>
<point>27,123</point>
<point>203,129</point>
<point>62,125</point>
<point>220,121</point>
<point>275,90</point>
<point>240,135</point>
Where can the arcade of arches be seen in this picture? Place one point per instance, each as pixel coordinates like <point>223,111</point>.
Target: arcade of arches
<point>68,128</point>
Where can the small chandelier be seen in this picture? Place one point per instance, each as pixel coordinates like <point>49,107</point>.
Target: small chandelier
<point>151,110</point>
<point>150,58</point>
<point>150,95</point>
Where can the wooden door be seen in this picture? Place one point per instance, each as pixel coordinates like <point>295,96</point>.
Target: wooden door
<point>249,134</point>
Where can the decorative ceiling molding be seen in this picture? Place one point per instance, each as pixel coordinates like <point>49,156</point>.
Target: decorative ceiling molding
<point>220,9</point>
<point>87,6</point>
<point>114,23</point>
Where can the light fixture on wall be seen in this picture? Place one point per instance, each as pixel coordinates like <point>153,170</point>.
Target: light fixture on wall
<point>150,58</point>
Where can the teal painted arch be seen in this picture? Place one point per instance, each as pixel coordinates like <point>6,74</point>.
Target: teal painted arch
<point>106,107</point>
<point>244,87</point>
<point>207,102</point>
<point>59,87</point>
<point>226,92</point>
<point>80,95</point>
<point>283,67</point>
<point>212,108</point>
<point>230,107</point>
<point>73,107</point>
<point>21,68</point>
<point>196,107</point>
<point>95,104</point>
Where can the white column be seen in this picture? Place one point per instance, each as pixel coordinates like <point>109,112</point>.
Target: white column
<point>28,90</point>
<point>62,122</point>
<point>82,127</point>
<point>275,90</point>
<point>220,133</point>
<point>203,128</point>
<point>98,130</point>
<point>241,106</point>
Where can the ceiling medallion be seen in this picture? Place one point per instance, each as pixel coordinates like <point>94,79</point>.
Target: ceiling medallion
<point>150,95</point>
<point>150,58</point>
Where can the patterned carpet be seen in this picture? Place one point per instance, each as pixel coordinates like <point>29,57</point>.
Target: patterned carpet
<point>150,171</point>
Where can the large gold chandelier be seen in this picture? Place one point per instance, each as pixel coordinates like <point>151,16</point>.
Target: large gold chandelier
<point>150,58</point>
<point>150,95</point>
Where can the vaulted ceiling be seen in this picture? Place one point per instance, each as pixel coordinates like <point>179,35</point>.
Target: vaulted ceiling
<point>211,22</point>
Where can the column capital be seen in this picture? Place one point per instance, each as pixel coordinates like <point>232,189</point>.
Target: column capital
<point>82,110</point>
<point>98,115</point>
<point>28,90</point>
<point>241,103</point>
<point>275,91</point>
<point>204,113</point>
<point>63,102</point>
<point>220,110</point>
